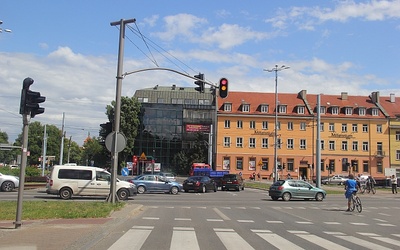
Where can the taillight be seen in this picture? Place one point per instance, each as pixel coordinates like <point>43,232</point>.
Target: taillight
<point>51,182</point>
<point>197,183</point>
<point>235,182</point>
<point>280,187</point>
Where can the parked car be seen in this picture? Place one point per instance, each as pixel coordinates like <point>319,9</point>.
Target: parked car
<point>152,183</point>
<point>232,181</point>
<point>336,179</point>
<point>8,182</point>
<point>295,189</point>
<point>199,184</point>
<point>167,176</point>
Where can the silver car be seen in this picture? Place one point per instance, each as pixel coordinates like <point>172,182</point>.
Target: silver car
<point>336,179</point>
<point>8,182</point>
<point>295,189</point>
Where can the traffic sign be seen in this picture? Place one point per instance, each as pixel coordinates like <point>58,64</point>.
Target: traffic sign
<point>125,171</point>
<point>260,163</point>
<point>143,157</point>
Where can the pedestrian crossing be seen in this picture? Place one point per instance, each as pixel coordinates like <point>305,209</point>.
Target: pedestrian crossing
<point>186,238</point>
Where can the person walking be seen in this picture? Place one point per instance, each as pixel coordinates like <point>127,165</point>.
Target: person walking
<point>393,181</point>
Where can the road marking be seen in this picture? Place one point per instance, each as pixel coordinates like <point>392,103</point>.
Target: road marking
<point>232,240</point>
<point>387,240</point>
<point>133,239</point>
<point>274,221</point>
<point>304,222</point>
<point>183,219</point>
<point>362,243</point>
<point>278,241</point>
<point>359,224</point>
<point>246,221</point>
<point>222,215</point>
<point>320,241</point>
<point>384,214</point>
<point>386,225</point>
<point>332,223</point>
<point>183,238</point>
<point>150,218</point>
<point>213,220</point>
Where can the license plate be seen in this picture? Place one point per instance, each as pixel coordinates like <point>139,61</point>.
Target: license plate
<point>229,182</point>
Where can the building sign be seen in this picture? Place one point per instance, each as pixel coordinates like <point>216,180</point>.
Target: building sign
<point>197,128</point>
<point>344,136</point>
<point>259,132</point>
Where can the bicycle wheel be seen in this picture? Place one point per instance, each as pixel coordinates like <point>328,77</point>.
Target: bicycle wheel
<point>352,203</point>
<point>358,204</point>
<point>373,190</point>
<point>363,189</point>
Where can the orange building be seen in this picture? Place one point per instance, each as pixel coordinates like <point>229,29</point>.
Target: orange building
<point>354,134</point>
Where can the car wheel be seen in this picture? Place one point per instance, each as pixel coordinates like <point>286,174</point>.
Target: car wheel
<point>185,190</point>
<point>141,189</point>
<point>243,187</point>
<point>7,186</point>
<point>174,190</point>
<point>123,194</point>
<point>65,193</point>
<point>203,189</point>
<point>215,188</point>
<point>274,198</point>
<point>286,196</point>
<point>319,196</point>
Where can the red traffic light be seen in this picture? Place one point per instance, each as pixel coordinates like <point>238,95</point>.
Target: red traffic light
<point>223,87</point>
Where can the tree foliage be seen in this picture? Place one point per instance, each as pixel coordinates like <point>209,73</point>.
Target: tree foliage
<point>6,156</point>
<point>129,124</point>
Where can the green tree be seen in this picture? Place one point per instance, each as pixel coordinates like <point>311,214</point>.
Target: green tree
<point>6,156</point>
<point>91,152</point>
<point>129,125</point>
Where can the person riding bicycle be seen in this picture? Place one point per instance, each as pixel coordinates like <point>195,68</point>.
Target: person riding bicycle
<point>350,186</point>
<point>370,182</point>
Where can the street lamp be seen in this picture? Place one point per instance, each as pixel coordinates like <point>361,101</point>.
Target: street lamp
<point>5,30</point>
<point>276,69</point>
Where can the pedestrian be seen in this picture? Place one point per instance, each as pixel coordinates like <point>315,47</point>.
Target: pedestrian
<point>289,176</point>
<point>259,175</point>
<point>393,181</point>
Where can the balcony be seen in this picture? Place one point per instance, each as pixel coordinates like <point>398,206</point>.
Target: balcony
<point>380,153</point>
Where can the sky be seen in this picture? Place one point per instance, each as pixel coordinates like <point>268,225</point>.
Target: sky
<point>70,49</point>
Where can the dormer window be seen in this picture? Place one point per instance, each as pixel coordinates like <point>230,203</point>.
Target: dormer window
<point>264,108</point>
<point>322,109</point>
<point>361,111</point>
<point>228,107</point>
<point>245,108</point>
<point>348,111</point>
<point>300,110</point>
<point>282,108</point>
<point>374,111</point>
<point>335,110</point>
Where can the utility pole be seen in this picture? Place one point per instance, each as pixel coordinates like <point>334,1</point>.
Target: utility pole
<point>44,160</point>
<point>62,140</point>
<point>117,117</point>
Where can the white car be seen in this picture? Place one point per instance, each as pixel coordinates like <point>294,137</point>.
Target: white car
<point>336,179</point>
<point>8,182</point>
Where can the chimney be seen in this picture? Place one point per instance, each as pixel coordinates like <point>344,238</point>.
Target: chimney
<point>173,87</point>
<point>344,95</point>
<point>375,97</point>
<point>392,98</point>
<point>303,94</point>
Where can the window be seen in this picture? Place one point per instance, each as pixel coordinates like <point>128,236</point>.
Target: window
<point>321,126</point>
<point>379,167</point>
<point>344,145</point>
<point>75,174</point>
<point>365,128</point>
<point>278,125</point>
<point>252,142</point>
<point>344,127</point>
<point>354,128</point>
<point>176,101</point>
<point>227,124</point>
<point>239,142</point>
<point>331,127</point>
<point>143,99</point>
<point>264,164</point>
<point>365,166</point>
<point>302,126</point>
<point>365,146</point>
<point>264,142</point>
<point>264,125</point>
<point>252,124</point>
<point>245,108</point>
<point>227,107</point>
<point>355,145</point>
<point>282,108</point>
<point>379,128</point>
<point>303,143</point>
<point>300,110</point>
<point>397,135</point>
<point>239,163</point>
<point>204,102</point>
<point>264,108</point>
<point>349,111</point>
<point>397,155</point>
<point>322,144</point>
<point>239,124</point>
<point>290,126</point>
<point>361,111</point>
<point>227,142</point>
<point>335,110</point>
<point>322,109</point>
<point>374,111</point>
<point>290,143</point>
<point>331,145</point>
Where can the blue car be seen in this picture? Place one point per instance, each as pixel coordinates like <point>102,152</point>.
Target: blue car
<point>150,183</point>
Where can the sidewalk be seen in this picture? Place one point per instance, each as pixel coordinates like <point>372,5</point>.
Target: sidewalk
<point>62,233</point>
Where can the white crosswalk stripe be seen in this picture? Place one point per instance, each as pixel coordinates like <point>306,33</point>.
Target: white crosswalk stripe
<point>276,240</point>
<point>133,239</point>
<point>231,239</point>
<point>184,238</point>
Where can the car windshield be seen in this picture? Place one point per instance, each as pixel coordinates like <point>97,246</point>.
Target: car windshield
<point>195,178</point>
<point>278,183</point>
<point>229,176</point>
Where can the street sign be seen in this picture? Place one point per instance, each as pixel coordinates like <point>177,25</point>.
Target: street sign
<point>260,163</point>
<point>143,157</point>
<point>125,171</point>
<point>121,142</point>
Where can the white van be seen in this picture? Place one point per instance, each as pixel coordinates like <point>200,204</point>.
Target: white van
<point>67,181</point>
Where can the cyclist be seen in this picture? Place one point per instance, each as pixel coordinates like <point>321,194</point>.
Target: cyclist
<point>350,186</point>
<point>370,182</point>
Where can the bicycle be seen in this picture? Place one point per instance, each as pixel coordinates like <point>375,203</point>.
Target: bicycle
<point>355,202</point>
<point>368,187</point>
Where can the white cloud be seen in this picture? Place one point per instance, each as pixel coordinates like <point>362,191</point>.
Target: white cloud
<point>184,25</point>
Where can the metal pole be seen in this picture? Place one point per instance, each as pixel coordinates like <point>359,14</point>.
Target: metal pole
<point>62,140</point>
<point>44,150</point>
<point>318,149</point>
<point>117,117</point>
<point>21,187</point>
<point>210,145</point>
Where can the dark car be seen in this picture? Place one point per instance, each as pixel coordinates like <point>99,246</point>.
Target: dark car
<point>232,181</point>
<point>199,184</point>
<point>296,189</point>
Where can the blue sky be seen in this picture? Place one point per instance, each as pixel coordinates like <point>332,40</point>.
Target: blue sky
<point>70,49</point>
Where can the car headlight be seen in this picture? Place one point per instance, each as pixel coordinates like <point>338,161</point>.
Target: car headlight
<point>133,185</point>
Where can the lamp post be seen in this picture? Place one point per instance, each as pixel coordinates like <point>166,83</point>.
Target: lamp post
<point>276,69</point>
<point>5,30</point>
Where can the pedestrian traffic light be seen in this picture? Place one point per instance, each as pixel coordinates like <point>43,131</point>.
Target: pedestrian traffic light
<point>105,129</point>
<point>200,84</point>
<point>30,100</point>
<point>223,87</point>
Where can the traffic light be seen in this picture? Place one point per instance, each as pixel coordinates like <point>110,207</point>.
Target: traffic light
<point>223,87</point>
<point>105,129</point>
<point>200,88</point>
<point>30,100</point>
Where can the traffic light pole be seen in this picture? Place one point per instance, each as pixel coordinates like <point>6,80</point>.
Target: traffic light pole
<point>21,186</point>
